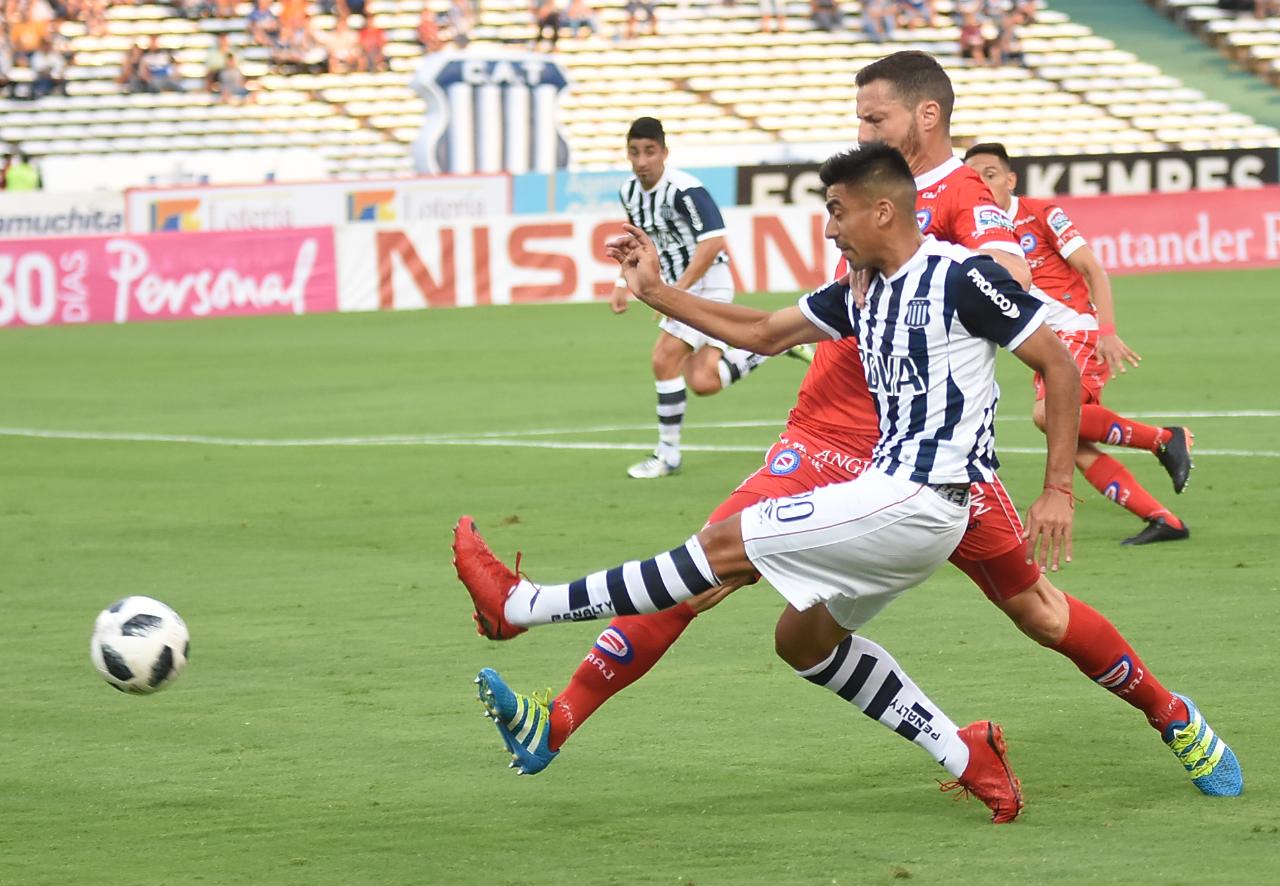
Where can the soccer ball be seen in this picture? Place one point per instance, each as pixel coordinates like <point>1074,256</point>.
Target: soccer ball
<point>139,645</point>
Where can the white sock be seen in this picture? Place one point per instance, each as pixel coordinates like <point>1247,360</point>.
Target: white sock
<point>865,674</point>
<point>672,397</point>
<point>735,364</point>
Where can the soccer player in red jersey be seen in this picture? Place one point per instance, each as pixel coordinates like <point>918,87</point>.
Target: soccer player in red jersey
<point>904,100</point>
<point>1065,269</point>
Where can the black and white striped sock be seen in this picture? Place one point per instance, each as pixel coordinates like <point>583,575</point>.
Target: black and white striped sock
<point>864,674</point>
<point>637,586</point>
<point>736,364</point>
<point>672,397</point>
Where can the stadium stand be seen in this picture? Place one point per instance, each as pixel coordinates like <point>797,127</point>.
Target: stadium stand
<point>710,73</point>
<point>1249,39</point>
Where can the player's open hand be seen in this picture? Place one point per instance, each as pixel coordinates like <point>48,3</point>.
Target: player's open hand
<point>1049,529</point>
<point>1117,354</point>
<point>638,257</point>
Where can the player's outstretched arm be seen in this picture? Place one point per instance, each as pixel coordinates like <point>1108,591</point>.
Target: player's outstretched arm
<point>1049,518</point>
<point>762,332</point>
<point>1110,346</point>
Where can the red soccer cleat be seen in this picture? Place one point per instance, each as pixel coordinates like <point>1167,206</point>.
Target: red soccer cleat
<point>487,579</point>
<point>988,775</point>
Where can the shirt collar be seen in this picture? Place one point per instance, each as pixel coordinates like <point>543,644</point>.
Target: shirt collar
<point>937,174</point>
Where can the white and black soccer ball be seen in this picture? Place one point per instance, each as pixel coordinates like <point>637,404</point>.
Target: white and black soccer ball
<point>139,645</point>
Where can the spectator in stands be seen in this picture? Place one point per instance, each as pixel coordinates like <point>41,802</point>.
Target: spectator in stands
<point>26,33</point>
<point>546,15</point>
<point>429,31</point>
<point>157,70</point>
<point>460,20</point>
<point>773,16</point>
<point>826,15</point>
<point>232,86</point>
<point>877,20</point>
<point>215,59</point>
<point>130,76</point>
<point>49,71</point>
<point>579,15</point>
<point>94,14</point>
<point>6,60</point>
<point>373,43</point>
<point>21,174</point>
<point>262,24</point>
<point>973,45</point>
<point>634,8</point>
<point>293,16</point>
<point>343,47</point>
<point>917,14</point>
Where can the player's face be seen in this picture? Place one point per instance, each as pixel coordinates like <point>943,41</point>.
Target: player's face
<point>998,178</point>
<point>882,117</point>
<point>648,160</point>
<point>853,224</point>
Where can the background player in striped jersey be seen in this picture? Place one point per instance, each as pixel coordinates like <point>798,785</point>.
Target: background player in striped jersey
<point>1065,269</point>
<point>682,219</point>
<point>829,437</point>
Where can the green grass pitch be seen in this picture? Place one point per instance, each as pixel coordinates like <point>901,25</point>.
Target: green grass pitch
<point>326,730</point>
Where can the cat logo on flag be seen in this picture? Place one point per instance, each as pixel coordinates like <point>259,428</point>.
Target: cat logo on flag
<point>490,110</point>
<point>918,312</point>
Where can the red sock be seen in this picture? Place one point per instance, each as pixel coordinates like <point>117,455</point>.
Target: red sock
<point>1098,424</point>
<point>623,653</point>
<point>1095,646</point>
<point>1114,481</point>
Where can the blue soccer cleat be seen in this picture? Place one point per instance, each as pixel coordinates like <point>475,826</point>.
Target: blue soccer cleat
<point>523,721</point>
<point>1212,765</point>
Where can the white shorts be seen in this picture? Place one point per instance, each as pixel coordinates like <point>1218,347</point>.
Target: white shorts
<point>716,285</point>
<point>854,546</point>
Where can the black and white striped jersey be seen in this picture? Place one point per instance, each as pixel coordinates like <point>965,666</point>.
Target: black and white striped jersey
<point>927,338</point>
<point>677,214</point>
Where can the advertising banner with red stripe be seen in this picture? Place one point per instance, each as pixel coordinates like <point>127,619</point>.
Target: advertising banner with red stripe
<point>1195,230</point>
<point>166,276</point>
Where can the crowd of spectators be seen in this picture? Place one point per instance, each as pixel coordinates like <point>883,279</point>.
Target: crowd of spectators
<point>988,29</point>
<point>34,56</point>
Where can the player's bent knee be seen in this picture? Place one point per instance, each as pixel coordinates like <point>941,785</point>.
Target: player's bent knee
<point>725,550</point>
<point>1037,414</point>
<point>1040,612</point>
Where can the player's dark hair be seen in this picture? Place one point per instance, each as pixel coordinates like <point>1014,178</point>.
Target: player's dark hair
<point>647,127</point>
<point>915,77</point>
<point>995,149</point>
<point>875,167</point>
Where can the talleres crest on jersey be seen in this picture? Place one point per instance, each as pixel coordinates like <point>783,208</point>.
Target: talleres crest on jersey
<point>490,110</point>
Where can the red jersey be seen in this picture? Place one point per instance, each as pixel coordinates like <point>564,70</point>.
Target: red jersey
<point>953,203</point>
<point>1048,236</point>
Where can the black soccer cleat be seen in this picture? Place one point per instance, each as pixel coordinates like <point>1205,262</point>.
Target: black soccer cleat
<point>1158,529</point>
<point>1175,457</point>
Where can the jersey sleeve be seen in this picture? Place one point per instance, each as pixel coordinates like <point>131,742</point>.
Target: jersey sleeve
<point>1066,238</point>
<point>828,309</point>
<point>978,223</point>
<point>990,303</point>
<point>696,205</point>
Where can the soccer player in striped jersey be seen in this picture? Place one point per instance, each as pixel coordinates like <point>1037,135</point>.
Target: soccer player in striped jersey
<point>1082,313</point>
<point>682,219</point>
<point>829,437</point>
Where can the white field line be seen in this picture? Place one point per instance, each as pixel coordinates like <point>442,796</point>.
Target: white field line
<point>474,441</point>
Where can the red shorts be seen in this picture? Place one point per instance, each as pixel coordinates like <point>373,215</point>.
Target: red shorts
<point>992,552</point>
<point>1094,371</point>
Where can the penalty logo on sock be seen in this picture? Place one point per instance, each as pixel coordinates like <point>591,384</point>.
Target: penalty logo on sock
<point>785,462</point>
<point>1115,435</point>
<point>613,643</point>
<point>1116,676</point>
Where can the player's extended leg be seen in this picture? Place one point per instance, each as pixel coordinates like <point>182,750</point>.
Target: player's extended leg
<point>670,355</point>
<point>1171,445</point>
<point>863,673</point>
<point>1113,480</point>
<point>1079,632</point>
<point>711,370</point>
